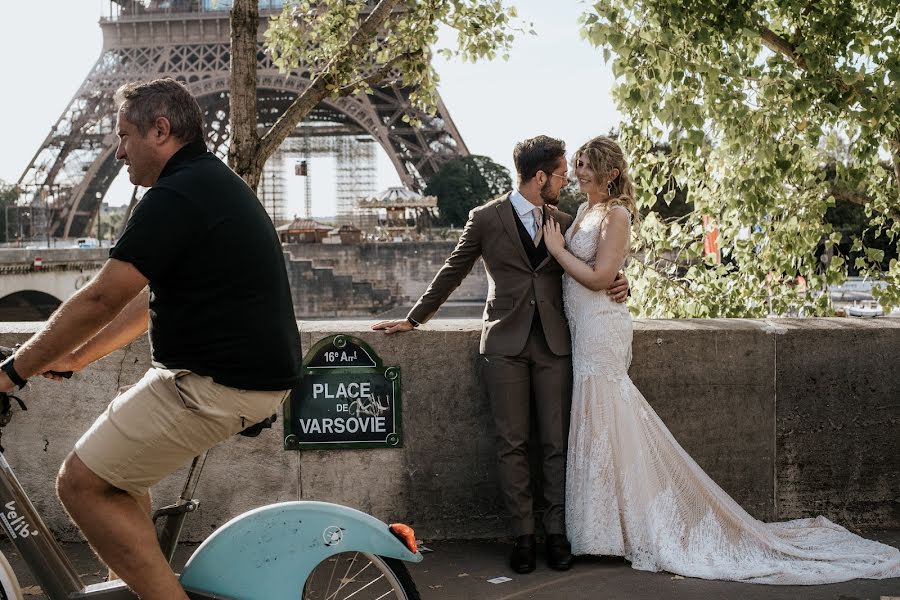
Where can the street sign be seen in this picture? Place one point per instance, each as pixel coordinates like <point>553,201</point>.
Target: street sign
<point>346,399</point>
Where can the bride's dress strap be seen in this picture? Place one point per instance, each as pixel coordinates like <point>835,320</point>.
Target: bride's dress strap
<point>620,207</point>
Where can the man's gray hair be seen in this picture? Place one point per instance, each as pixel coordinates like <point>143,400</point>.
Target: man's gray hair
<point>142,103</point>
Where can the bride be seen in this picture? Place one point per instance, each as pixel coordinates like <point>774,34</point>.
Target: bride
<point>631,490</point>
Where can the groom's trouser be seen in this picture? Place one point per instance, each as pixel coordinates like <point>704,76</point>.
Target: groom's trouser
<point>511,382</point>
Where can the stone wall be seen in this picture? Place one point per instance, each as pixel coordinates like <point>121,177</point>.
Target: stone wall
<point>321,292</point>
<point>793,418</point>
<point>405,269</point>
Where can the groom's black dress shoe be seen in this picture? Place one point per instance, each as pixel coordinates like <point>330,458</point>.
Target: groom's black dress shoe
<point>523,556</point>
<point>559,552</point>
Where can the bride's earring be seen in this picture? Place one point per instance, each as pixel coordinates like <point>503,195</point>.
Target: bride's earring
<point>609,188</point>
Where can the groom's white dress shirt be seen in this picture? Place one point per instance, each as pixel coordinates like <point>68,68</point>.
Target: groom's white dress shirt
<point>523,208</point>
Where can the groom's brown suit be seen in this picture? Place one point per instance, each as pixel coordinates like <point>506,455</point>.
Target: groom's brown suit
<point>525,348</point>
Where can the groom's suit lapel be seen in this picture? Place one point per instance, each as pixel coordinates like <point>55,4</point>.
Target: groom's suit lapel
<point>505,212</point>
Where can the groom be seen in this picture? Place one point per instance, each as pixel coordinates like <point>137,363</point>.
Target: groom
<point>525,345</point>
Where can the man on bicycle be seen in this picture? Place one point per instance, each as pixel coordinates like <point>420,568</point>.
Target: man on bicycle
<point>200,264</point>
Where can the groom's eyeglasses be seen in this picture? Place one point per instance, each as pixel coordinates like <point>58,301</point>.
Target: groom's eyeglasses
<point>563,176</point>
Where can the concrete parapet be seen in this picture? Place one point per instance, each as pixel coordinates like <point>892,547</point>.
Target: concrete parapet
<point>792,417</point>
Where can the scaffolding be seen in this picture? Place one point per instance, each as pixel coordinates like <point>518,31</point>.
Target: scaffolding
<point>271,190</point>
<point>355,169</point>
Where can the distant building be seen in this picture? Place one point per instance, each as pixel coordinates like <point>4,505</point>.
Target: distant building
<point>302,231</point>
<point>345,234</point>
<point>396,212</point>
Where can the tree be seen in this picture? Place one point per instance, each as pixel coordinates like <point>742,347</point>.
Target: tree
<point>465,182</point>
<point>851,222</point>
<point>773,114</point>
<point>570,199</point>
<point>346,47</point>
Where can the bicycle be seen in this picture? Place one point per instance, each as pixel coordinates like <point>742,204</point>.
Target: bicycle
<point>317,550</point>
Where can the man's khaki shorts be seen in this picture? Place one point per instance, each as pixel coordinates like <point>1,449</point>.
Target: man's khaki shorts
<point>155,426</point>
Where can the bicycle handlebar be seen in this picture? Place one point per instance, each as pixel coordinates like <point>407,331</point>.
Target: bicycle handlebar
<point>6,352</point>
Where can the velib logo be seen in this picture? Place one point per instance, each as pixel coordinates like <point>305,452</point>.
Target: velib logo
<point>14,523</point>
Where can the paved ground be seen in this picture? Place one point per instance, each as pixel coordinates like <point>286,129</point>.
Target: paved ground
<point>461,570</point>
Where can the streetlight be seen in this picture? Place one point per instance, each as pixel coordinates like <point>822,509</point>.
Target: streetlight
<point>99,197</point>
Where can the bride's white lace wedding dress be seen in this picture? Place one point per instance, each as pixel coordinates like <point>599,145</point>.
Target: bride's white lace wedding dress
<point>632,491</point>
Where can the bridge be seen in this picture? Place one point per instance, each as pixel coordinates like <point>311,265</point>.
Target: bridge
<point>34,282</point>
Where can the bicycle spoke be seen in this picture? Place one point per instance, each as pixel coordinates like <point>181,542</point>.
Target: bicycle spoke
<point>380,577</point>
<point>345,582</point>
<point>366,577</point>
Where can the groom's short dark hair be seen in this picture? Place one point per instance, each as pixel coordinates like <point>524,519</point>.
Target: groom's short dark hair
<point>541,153</point>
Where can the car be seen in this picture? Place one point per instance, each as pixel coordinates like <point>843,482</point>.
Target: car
<point>87,243</point>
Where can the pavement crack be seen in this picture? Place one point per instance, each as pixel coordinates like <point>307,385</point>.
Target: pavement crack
<point>122,367</point>
<point>551,583</point>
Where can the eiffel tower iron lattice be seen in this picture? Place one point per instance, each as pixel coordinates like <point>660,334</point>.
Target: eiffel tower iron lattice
<point>189,41</point>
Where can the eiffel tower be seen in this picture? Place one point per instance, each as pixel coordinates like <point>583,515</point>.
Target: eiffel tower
<point>189,40</point>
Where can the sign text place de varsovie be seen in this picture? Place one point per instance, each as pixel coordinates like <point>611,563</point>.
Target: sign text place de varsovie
<point>347,399</point>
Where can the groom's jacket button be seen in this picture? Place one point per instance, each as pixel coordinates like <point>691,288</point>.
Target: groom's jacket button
<point>534,275</point>
<point>531,301</point>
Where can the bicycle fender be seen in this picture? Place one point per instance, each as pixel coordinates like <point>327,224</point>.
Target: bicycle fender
<point>267,553</point>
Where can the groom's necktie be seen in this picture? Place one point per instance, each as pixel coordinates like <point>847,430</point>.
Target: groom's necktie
<point>538,225</point>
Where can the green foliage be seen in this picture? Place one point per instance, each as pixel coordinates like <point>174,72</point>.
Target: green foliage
<point>9,193</point>
<point>772,115</point>
<point>465,182</point>
<point>310,34</point>
<point>111,225</point>
<point>570,199</point>
<point>850,221</point>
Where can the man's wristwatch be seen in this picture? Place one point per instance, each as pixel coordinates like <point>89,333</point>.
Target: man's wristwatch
<point>8,368</point>
<point>413,323</point>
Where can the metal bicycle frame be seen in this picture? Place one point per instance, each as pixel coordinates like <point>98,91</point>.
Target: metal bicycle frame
<point>46,558</point>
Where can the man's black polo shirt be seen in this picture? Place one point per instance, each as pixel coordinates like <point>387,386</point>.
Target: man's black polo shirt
<point>220,301</point>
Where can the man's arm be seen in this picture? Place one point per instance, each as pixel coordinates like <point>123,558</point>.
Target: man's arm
<point>130,323</point>
<point>78,319</point>
<point>448,278</point>
<point>619,290</point>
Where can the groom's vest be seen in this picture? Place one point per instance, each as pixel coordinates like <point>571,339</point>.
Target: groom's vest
<point>536,254</point>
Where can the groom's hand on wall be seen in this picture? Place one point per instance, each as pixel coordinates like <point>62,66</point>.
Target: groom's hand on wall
<point>394,326</point>
<point>619,288</point>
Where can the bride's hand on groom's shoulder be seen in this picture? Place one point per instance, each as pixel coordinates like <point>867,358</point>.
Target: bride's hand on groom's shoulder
<point>619,288</point>
<point>553,237</point>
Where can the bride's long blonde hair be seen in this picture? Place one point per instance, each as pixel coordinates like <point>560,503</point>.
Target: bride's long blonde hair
<point>603,155</point>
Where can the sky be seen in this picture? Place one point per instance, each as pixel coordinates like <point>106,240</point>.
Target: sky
<point>554,83</point>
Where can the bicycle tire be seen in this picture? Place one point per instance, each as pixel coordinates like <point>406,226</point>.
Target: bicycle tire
<point>362,576</point>
<point>9,584</point>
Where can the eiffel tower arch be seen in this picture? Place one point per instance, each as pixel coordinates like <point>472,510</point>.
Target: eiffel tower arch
<point>189,41</point>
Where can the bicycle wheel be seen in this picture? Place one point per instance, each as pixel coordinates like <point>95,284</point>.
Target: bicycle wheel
<point>9,585</point>
<point>360,576</point>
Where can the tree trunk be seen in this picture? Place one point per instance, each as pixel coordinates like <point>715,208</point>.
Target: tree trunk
<point>317,90</point>
<point>248,153</point>
<point>243,149</point>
